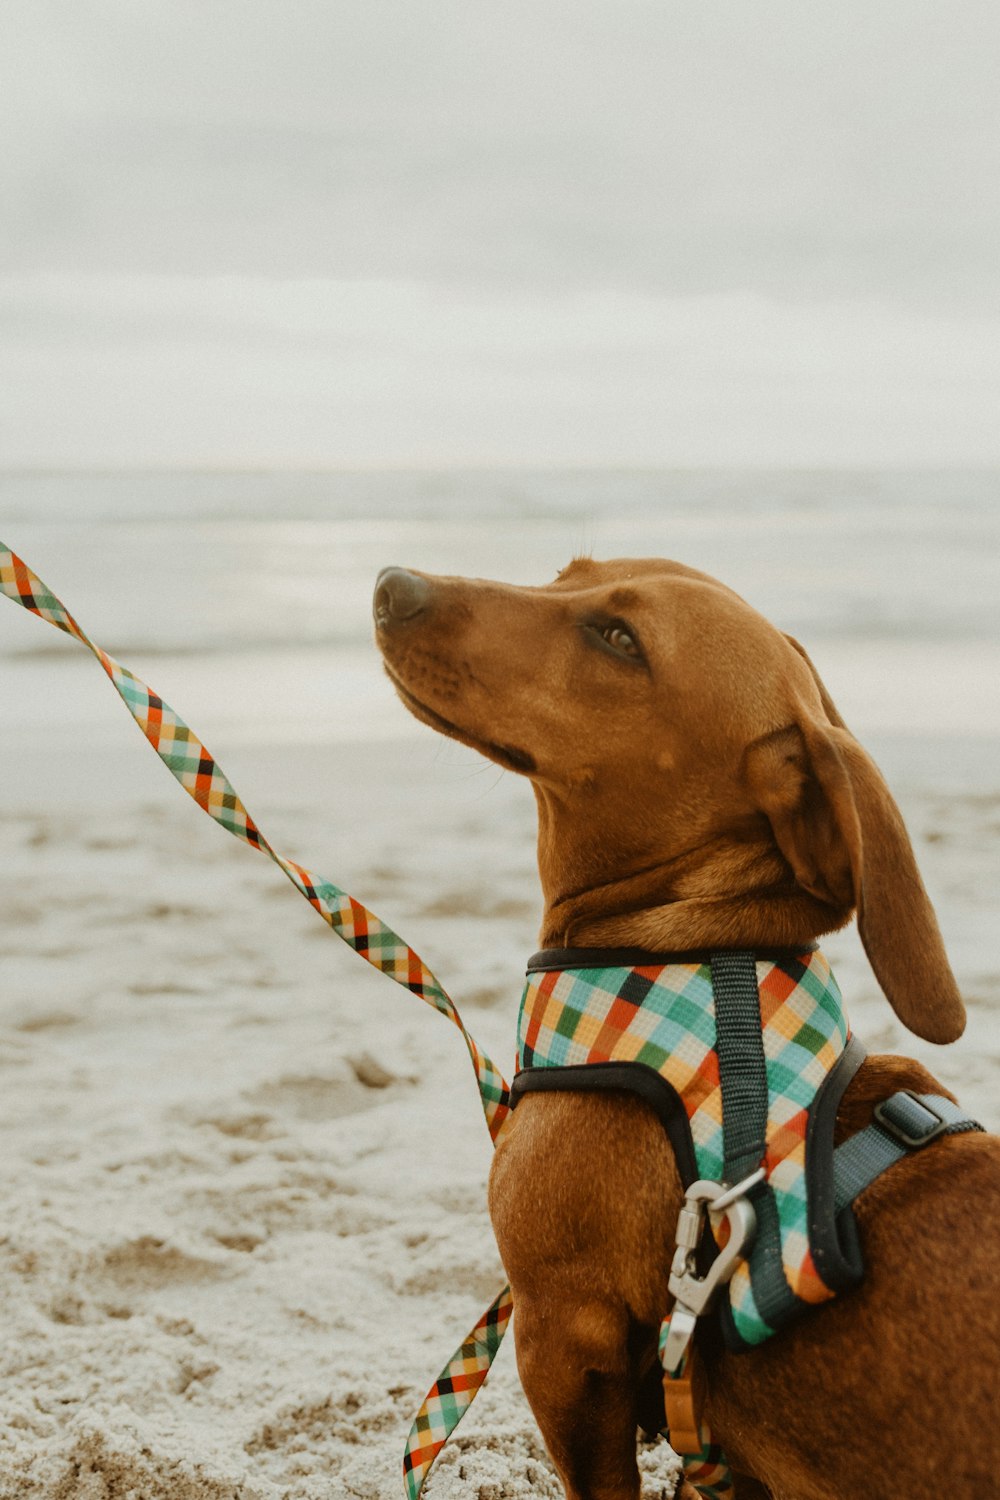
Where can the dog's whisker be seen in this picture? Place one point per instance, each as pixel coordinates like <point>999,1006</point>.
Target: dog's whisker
<point>493,784</point>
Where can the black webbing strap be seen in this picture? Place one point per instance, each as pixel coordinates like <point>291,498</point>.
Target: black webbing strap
<point>743,1082</point>
<point>742,1071</point>
<point>904,1123</point>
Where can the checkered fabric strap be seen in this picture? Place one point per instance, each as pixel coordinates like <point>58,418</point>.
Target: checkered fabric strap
<point>190,763</point>
<point>453,1392</point>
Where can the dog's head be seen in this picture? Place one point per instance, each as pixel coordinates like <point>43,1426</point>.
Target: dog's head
<point>696,784</point>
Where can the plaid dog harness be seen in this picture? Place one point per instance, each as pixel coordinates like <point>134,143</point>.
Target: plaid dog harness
<point>770,1033</point>
<point>744,1057</point>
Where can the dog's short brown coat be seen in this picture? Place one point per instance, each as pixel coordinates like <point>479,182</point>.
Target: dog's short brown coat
<point>696,787</point>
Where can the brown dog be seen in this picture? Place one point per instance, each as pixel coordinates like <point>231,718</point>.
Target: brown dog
<point>697,788</point>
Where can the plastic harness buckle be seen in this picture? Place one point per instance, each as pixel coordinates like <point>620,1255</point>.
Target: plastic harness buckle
<point>910,1120</point>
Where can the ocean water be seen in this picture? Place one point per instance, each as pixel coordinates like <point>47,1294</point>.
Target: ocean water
<point>245,599</point>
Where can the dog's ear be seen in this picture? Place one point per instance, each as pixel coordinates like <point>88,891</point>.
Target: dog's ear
<point>798,778</point>
<point>840,830</point>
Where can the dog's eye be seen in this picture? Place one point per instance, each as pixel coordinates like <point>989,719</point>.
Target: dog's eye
<point>620,639</point>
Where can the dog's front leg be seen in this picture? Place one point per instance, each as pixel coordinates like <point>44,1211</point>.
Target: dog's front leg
<point>584,1194</point>
<point>575,1369</point>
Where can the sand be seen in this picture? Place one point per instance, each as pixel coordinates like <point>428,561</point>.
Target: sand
<point>243,1207</point>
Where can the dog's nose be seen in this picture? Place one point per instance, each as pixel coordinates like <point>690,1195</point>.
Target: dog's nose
<point>399,595</point>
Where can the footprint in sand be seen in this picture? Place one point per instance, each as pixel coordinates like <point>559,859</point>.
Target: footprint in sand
<point>355,1086</point>
<point>148,1263</point>
<point>346,1416</point>
<point>250,1126</point>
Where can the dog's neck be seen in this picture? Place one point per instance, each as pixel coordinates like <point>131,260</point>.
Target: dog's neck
<point>730,889</point>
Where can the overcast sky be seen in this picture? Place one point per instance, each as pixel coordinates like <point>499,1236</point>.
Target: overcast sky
<point>441,231</point>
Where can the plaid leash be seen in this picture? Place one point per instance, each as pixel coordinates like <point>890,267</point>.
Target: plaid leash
<point>453,1392</point>
<point>190,763</point>
<point>703,1461</point>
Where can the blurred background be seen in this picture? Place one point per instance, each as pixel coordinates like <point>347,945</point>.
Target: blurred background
<point>440,232</point>
<point>289,292</point>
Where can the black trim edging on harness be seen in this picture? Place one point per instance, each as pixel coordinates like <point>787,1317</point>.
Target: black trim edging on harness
<point>548,959</point>
<point>833,1240</point>
<point>620,1077</point>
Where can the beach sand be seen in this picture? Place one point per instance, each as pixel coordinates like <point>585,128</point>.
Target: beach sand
<point>244,1218</point>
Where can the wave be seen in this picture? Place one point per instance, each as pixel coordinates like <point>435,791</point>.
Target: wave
<point>60,647</point>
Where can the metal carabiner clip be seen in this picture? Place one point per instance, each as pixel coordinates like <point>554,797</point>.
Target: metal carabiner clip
<point>694,1294</point>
